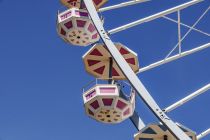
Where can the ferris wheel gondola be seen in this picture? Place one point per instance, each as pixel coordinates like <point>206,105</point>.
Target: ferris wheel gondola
<point>98,61</point>
<point>106,103</point>
<point>80,3</point>
<point>75,27</point>
<point>160,132</point>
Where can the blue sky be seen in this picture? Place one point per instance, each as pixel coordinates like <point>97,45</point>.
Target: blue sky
<point>41,76</point>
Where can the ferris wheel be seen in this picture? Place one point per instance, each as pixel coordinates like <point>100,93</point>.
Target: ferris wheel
<point>114,66</point>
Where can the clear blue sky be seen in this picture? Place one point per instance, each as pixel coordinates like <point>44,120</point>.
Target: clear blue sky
<point>41,76</point>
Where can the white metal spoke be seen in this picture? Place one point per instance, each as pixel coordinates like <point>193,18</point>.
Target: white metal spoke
<point>153,17</point>
<point>175,57</point>
<point>131,76</point>
<point>188,98</point>
<point>189,31</point>
<point>185,25</point>
<point>124,4</point>
<point>203,134</point>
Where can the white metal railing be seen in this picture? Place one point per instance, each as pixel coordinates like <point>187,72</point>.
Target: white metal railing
<point>96,81</point>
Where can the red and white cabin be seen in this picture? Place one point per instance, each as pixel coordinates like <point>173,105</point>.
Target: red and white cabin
<point>80,4</point>
<point>97,61</point>
<point>75,27</point>
<point>104,104</point>
<point>160,132</point>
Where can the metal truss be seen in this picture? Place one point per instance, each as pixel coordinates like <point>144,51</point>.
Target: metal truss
<point>131,76</point>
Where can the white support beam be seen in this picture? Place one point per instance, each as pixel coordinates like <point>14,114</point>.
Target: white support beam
<point>175,57</point>
<point>124,4</point>
<point>153,17</point>
<point>179,31</point>
<point>187,99</point>
<point>203,134</point>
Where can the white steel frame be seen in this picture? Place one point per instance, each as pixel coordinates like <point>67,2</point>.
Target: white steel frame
<point>163,15</point>
<point>131,76</point>
<point>155,16</point>
<point>191,28</point>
